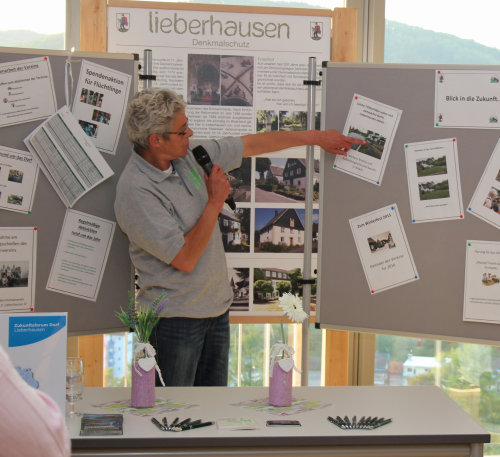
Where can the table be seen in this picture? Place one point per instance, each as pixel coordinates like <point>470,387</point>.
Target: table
<point>425,422</point>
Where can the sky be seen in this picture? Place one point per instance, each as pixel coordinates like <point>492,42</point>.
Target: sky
<point>477,20</point>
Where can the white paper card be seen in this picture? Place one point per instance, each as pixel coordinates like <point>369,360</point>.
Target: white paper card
<point>485,202</point>
<point>36,345</point>
<point>482,282</point>
<point>434,180</point>
<point>383,249</point>
<point>18,178</point>
<point>467,99</point>
<point>18,247</point>
<point>99,104</point>
<point>376,124</point>
<point>69,159</point>
<point>81,255</point>
<point>26,91</point>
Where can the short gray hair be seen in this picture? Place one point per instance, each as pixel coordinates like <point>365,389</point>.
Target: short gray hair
<point>151,111</point>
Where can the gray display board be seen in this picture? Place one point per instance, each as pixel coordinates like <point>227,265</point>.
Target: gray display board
<point>48,211</point>
<point>432,305</point>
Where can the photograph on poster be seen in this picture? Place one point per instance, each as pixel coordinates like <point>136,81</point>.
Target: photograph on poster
<point>485,203</point>
<point>101,116</point>
<point>91,97</point>
<point>281,230</point>
<point>383,249</point>
<point>89,128</point>
<point>270,283</point>
<point>15,274</point>
<point>283,180</point>
<point>220,80</point>
<point>375,123</point>
<point>235,229</point>
<point>434,180</point>
<point>240,180</point>
<point>482,281</point>
<point>267,121</point>
<point>239,280</point>
<point>15,176</point>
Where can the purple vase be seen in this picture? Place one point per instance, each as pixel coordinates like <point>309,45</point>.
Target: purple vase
<point>280,387</point>
<point>143,387</point>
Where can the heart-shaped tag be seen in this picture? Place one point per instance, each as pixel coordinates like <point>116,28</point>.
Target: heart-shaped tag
<point>147,363</point>
<point>286,364</point>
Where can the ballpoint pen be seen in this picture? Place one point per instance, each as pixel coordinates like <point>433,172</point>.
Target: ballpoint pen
<point>165,422</point>
<point>200,424</point>
<point>157,423</point>
<point>382,422</point>
<point>184,422</point>
<point>174,423</point>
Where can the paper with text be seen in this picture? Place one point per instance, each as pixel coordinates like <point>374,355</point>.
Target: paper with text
<point>26,91</point>
<point>18,246</point>
<point>383,249</point>
<point>434,180</point>
<point>467,99</point>
<point>67,156</point>
<point>482,282</point>
<point>18,178</point>
<point>376,124</point>
<point>81,255</point>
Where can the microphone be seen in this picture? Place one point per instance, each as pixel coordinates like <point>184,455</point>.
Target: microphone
<point>203,159</point>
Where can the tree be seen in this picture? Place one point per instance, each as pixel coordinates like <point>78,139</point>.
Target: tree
<point>264,287</point>
<point>295,276</point>
<point>283,287</point>
<point>262,164</point>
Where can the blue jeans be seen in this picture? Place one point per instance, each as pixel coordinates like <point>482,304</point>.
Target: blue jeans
<point>192,352</point>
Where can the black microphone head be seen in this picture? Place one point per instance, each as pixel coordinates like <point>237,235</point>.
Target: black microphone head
<point>202,157</point>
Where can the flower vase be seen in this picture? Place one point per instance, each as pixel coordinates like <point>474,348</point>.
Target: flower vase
<point>143,386</point>
<point>280,386</point>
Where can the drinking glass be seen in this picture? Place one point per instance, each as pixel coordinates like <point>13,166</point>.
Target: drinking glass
<point>74,384</point>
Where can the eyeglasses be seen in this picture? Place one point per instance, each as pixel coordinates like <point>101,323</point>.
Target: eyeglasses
<point>182,133</point>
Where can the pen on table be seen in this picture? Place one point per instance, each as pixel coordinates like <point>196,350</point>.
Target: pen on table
<point>333,421</point>
<point>347,422</point>
<point>383,422</point>
<point>174,423</point>
<point>354,422</point>
<point>200,424</point>
<point>184,422</point>
<point>341,422</point>
<point>157,423</point>
<point>196,422</point>
<point>165,422</point>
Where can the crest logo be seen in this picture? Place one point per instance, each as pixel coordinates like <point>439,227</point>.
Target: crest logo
<point>122,22</point>
<point>316,30</point>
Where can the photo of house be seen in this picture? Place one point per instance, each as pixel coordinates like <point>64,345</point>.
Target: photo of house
<point>235,229</point>
<point>239,280</point>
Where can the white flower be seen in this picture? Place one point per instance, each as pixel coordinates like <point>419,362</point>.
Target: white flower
<point>292,307</point>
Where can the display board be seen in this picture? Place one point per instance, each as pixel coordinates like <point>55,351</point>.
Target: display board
<point>48,210</point>
<point>432,303</point>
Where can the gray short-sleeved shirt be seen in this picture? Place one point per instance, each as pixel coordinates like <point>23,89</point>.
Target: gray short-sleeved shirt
<point>155,211</point>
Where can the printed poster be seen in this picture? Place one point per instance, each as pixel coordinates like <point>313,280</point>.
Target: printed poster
<point>383,249</point>
<point>434,180</point>
<point>81,255</point>
<point>485,202</point>
<point>482,282</point>
<point>36,345</point>
<point>99,104</point>
<point>18,178</point>
<point>26,91</point>
<point>375,123</point>
<point>240,74</point>
<point>467,99</point>
<point>18,247</point>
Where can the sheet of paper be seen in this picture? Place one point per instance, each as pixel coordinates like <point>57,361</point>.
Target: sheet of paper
<point>485,202</point>
<point>67,156</point>
<point>376,124</point>
<point>36,345</point>
<point>467,99</point>
<point>26,91</point>
<point>18,178</point>
<point>434,180</point>
<point>383,249</point>
<point>482,282</point>
<point>18,247</point>
<point>99,104</point>
<point>81,255</point>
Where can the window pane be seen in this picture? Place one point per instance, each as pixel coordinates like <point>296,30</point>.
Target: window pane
<point>427,31</point>
<point>38,24</point>
<point>468,373</point>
